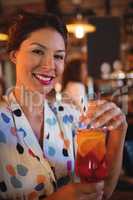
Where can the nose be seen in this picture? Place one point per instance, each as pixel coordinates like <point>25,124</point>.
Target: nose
<point>48,61</point>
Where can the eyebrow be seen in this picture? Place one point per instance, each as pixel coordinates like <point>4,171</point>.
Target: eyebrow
<point>44,47</point>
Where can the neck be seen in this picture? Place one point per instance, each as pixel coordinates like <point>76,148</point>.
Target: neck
<point>32,103</point>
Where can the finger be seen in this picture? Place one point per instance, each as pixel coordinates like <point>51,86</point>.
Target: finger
<point>104,108</point>
<point>91,109</point>
<point>106,118</point>
<point>96,112</point>
<point>96,102</point>
<point>121,119</point>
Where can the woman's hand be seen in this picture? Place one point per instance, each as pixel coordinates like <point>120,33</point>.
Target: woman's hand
<point>107,114</point>
<point>79,191</point>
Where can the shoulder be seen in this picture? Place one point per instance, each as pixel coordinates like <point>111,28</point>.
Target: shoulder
<point>6,121</point>
<point>3,104</point>
<point>5,113</point>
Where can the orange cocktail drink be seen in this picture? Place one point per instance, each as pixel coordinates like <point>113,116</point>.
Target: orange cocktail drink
<point>91,164</point>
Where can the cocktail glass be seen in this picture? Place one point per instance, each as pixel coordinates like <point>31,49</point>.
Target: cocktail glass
<point>91,163</point>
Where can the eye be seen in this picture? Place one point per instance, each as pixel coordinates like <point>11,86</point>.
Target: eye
<point>38,51</point>
<point>59,57</point>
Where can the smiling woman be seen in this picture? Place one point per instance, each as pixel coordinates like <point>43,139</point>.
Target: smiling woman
<point>36,138</point>
<point>39,59</point>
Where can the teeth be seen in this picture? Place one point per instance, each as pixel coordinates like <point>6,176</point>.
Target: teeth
<point>43,78</point>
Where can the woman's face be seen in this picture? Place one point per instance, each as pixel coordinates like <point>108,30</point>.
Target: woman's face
<point>40,60</point>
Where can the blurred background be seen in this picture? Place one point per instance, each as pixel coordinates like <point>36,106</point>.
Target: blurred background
<point>101,32</point>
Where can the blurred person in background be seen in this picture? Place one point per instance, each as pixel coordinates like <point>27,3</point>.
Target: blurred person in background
<point>74,81</point>
<point>36,139</point>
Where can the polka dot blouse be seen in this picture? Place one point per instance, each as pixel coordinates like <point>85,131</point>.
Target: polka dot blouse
<point>27,170</point>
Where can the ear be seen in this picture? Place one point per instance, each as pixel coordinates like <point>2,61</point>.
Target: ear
<point>12,56</point>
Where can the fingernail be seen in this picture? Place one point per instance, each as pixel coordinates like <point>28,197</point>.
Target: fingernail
<point>110,128</point>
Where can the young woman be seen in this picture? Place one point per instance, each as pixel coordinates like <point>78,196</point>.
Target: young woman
<point>36,140</point>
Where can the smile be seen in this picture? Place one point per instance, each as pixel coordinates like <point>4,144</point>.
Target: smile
<point>44,79</point>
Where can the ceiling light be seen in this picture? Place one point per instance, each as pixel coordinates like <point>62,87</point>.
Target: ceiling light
<point>3,37</point>
<point>80,27</point>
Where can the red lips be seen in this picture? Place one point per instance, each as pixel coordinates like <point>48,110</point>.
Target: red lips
<point>44,79</point>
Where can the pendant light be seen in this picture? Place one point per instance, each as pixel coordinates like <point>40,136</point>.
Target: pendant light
<point>80,27</point>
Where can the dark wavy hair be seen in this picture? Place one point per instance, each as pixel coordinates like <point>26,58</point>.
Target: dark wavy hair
<point>2,84</point>
<point>25,23</point>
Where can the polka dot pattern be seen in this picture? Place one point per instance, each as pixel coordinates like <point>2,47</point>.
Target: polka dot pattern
<point>19,148</point>
<point>22,170</point>
<point>17,112</point>
<point>39,187</point>
<point>13,131</point>
<point>51,151</point>
<point>5,118</point>
<point>3,187</point>
<point>65,152</point>
<point>61,108</point>
<point>2,137</point>
<point>16,183</point>
<point>22,131</point>
<point>10,169</point>
<point>18,171</point>
<point>71,118</point>
<point>68,119</point>
<point>41,179</point>
<point>51,121</point>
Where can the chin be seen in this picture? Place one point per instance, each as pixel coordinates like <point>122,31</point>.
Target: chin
<point>44,90</point>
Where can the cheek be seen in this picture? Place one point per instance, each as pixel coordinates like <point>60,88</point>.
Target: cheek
<point>60,69</point>
<point>26,63</point>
